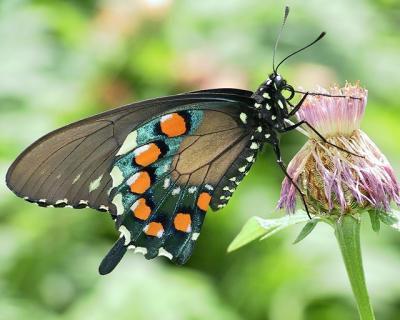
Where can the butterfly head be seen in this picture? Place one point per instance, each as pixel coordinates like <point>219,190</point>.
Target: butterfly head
<point>277,81</point>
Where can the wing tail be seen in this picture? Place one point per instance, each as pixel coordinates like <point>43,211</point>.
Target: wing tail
<point>113,257</point>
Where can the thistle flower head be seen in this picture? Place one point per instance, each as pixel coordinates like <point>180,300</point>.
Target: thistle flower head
<point>334,181</point>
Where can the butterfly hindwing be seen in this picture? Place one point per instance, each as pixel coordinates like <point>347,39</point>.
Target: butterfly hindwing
<point>167,171</point>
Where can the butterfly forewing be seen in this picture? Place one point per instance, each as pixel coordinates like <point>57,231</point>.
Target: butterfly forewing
<point>70,166</point>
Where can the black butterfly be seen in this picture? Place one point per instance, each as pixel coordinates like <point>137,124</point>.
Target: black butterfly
<point>157,165</point>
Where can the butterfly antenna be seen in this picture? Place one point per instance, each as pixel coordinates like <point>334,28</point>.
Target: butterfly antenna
<point>279,36</point>
<point>297,51</point>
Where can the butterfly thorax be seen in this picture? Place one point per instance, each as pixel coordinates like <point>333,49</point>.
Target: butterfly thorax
<point>271,106</point>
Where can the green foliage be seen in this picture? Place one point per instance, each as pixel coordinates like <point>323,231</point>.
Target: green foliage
<point>375,222</point>
<point>257,227</point>
<point>307,229</point>
<point>391,218</point>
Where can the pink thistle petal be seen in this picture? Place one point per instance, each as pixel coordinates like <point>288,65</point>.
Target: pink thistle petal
<point>330,178</point>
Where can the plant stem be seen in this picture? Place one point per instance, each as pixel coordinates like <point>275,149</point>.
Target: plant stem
<point>347,232</point>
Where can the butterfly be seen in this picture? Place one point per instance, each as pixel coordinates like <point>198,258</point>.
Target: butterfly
<point>156,166</point>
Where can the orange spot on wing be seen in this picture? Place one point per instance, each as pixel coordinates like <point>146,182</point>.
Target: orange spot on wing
<point>173,125</point>
<point>183,222</point>
<point>140,209</point>
<point>147,154</point>
<point>154,229</point>
<point>140,182</point>
<point>204,201</point>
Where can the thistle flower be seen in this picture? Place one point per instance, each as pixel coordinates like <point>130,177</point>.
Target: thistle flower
<point>340,178</point>
<point>334,181</point>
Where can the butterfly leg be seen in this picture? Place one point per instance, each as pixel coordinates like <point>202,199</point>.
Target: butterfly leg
<point>290,128</point>
<point>326,95</point>
<point>297,106</point>
<point>282,165</point>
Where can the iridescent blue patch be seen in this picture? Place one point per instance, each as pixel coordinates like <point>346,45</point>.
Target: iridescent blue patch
<point>160,170</point>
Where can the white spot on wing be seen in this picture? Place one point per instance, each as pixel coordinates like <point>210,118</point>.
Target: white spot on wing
<point>249,159</point>
<point>62,201</point>
<point>266,95</point>
<point>176,191</point>
<point>140,250</point>
<point>273,117</point>
<point>254,146</point>
<point>117,177</point>
<point>167,182</point>
<point>126,234</point>
<point>242,169</point>
<point>192,189</point>
<point>129,144</point>
<point>95,184</point>
<point>165,253</point>
<point>76,178</point>
<point>209,187</point>
<point>268,107</point>
<point>243,117</point>
<point>195,236</point>
<point>117,201</point>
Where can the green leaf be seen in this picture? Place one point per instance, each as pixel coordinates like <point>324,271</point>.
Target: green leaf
<point>391,219</point>
<point>375,222</point>
<point>250,231</point>
<point>257,227</point>
<point>306,230</point>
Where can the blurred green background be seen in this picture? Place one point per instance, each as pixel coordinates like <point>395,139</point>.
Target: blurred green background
<point>64,60</point>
